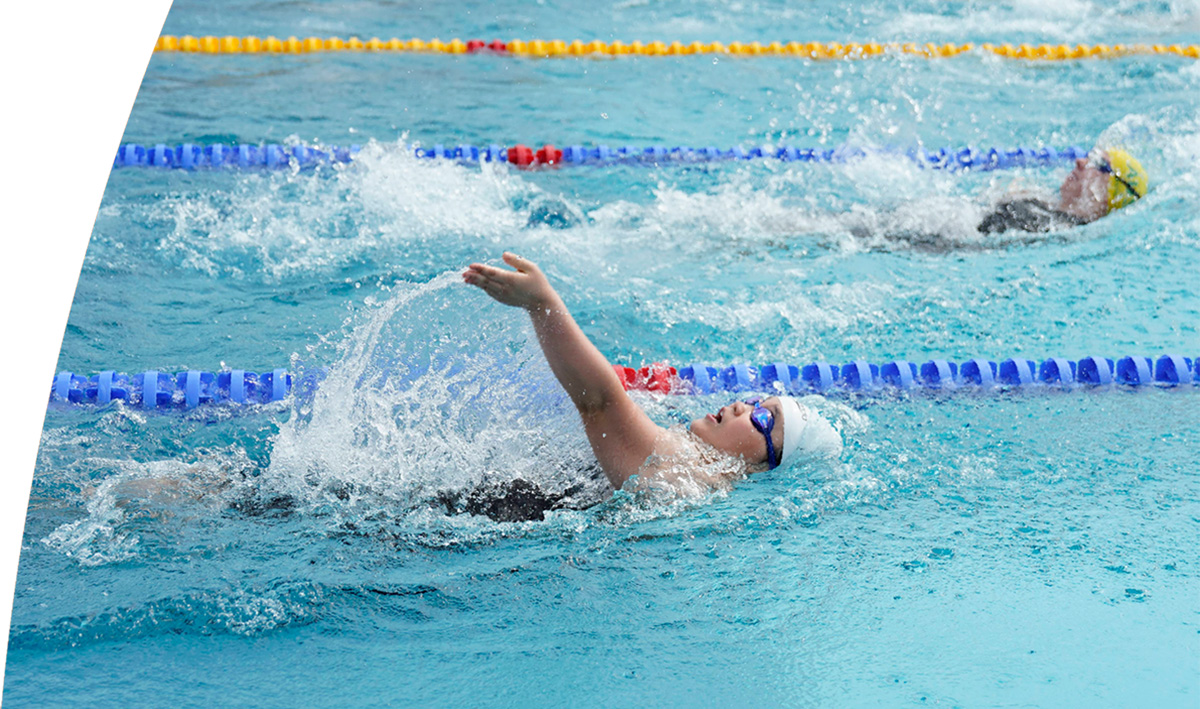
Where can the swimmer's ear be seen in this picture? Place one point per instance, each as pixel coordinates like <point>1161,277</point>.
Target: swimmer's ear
<point>522,265</point>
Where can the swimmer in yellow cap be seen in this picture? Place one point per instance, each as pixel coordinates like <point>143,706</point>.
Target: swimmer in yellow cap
<point>1104,181</point>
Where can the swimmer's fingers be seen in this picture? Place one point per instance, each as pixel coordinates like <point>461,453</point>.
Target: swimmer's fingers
<point>521,264</point>
<point>503,286</point>
<point>489,271</point>
<point>526,287</point>
<point>478,274</point>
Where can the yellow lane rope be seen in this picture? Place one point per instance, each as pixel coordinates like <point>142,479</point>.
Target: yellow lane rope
<point>577,48</point>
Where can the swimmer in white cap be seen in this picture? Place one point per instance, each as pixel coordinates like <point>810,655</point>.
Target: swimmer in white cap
<point>743,437</point>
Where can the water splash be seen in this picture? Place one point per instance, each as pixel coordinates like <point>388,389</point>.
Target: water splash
<point>276,226</point>
<point>427,396</point>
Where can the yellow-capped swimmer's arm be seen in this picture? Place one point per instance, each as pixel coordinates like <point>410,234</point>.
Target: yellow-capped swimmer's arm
<point>621,434</point>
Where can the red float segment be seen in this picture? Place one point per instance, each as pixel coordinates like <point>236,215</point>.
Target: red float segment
<point>523,155</point>
<point>520,155</point>
<point>498,46</point>
<point>475,45</point>
<point>658,377</point>
<point>549,155</point>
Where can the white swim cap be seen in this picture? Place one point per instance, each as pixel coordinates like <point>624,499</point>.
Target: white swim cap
<point>806,434</point>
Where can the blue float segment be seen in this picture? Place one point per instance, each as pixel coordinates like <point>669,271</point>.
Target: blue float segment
<point>273,156</point>
<point>188,156</point>
<point>819,375</point>
<point>899,373</point>
<point>1173,369</point>
<point>1134,371</point>
<point>107,386</point>
<point>218,155</point>
<point>937,160</point>
<point>131,155</point>
<point>939,374</point>
<point>704,378</point>
<point>344,154</point>
<point>238,386</point>
<point>494,153</point>
<point>980,372</point>
<point>655,153</point>
<point>275,385</point>
<point>249,156</point>
<point>1018,372</point>
<point>859,375</point>
<point>738,377</point>
<point>197,387</point>
<point>575,154</point>
<point>69,387</point>
<point>1057,371</point>
<point>784,378</point>
<point>1095,370</point>
<point>161,156</point>
<point>151,389</point>
<point>305,156</point>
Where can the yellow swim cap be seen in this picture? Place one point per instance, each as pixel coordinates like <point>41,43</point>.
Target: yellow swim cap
<point>1127,179</point>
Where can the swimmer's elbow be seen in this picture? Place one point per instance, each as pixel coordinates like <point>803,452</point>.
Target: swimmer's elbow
<point>594,409</point>
<point>596,402</point>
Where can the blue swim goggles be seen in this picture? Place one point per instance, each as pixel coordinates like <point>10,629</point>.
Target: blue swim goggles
<point>764,422</point>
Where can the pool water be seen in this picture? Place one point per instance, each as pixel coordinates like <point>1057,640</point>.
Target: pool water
<point>1005,549</point>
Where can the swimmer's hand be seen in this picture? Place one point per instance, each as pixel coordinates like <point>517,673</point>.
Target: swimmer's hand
<point>525,287</point>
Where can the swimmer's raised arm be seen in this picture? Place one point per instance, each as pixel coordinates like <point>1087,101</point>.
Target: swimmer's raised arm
<point>621,434</point>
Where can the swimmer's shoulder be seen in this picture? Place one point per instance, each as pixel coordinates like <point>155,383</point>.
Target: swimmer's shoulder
<point>1026,213</point>
<point>683,464</point>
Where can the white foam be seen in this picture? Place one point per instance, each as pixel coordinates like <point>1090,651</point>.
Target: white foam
<point>276,225</point>
<point>429,393</point>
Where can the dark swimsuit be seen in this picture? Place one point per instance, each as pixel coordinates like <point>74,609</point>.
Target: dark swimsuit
<point>1032,215</point>
<point>502,500</point>
<point>519,500</point>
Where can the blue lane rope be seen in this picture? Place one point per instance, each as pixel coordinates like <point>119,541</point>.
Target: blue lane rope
<point>973,374</point>
<point>189,389</point>
<point>188,156</point>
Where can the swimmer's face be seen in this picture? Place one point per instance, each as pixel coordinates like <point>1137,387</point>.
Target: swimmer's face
<point>1084,193</point>
<point>730,430</point>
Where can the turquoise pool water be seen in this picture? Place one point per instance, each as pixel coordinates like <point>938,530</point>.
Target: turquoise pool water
<point>1011,549</point>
